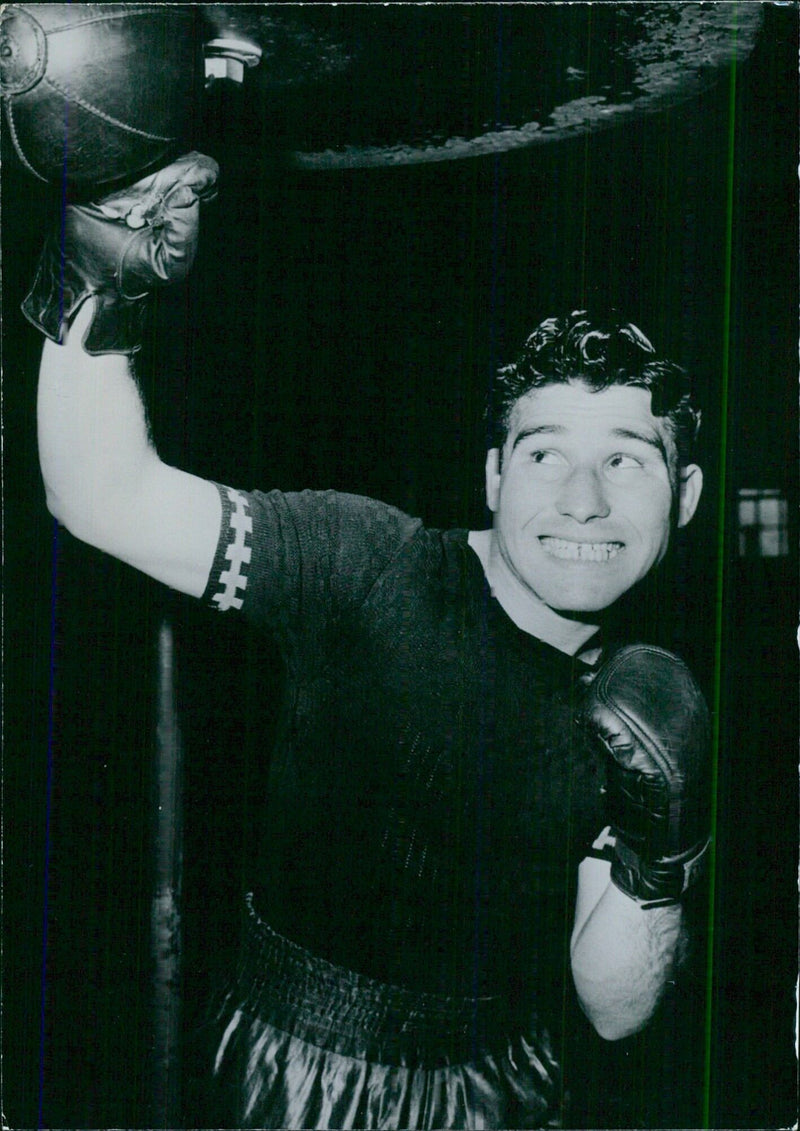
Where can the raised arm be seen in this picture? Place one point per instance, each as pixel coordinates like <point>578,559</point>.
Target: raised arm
<point>651,720</point>
<point>103,479</point>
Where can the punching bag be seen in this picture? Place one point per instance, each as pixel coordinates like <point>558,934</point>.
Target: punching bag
<point>97,94</point>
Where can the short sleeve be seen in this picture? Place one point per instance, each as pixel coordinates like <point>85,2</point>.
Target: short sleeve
<point>296,563</point>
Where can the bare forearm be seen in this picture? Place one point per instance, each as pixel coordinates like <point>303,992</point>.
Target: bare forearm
<point>623,955</point>
<point>93,437</point>
<point>104,480</point>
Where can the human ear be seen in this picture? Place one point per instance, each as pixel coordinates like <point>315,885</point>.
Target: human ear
<point>493,479</point>
<point>690,486</point>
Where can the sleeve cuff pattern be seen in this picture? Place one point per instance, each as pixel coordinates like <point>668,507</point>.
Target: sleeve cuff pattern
<point>229,574</point>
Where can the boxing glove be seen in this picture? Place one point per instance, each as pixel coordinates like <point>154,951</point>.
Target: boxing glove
<point>650,718</point>
<point>118,249</point>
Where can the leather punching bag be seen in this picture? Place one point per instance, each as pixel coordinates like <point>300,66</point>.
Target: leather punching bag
<point>96,94</point>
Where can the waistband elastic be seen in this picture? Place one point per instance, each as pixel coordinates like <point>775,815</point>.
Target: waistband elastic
<point>347,1012</point>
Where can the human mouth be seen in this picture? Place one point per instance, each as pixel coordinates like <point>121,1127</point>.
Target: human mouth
<point>569,551</point>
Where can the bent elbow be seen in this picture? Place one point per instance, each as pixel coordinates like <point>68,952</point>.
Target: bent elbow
<point>614,1011</point>
<point>614,1018</point>
<point>617,1028</point>
<point>55,506</point>
<point>81,523</point>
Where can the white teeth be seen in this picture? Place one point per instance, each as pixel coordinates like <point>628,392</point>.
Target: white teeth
<point>581,551</point>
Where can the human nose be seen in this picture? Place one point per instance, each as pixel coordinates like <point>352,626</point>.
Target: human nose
<point>582,495</point>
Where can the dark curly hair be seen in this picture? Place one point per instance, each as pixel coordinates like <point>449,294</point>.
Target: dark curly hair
<point>600,354</point>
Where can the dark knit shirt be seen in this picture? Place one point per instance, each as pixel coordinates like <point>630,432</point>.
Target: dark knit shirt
<point>429,796</point>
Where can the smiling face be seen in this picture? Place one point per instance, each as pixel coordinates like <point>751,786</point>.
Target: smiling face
<point>583,497</point>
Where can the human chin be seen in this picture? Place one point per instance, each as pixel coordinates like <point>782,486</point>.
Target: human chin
<point>586,595</point>
<point>584,580</point>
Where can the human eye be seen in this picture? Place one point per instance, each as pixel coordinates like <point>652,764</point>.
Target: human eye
<point>624,461</point>
<point>545,463</point>
<point>630,466</point>
<point>544,456</point>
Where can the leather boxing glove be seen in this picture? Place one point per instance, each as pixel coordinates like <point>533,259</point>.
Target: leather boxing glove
<point>118,249</point>
<point>652,722</point>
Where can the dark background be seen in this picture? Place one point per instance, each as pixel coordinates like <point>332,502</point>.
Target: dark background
<point>338,331</point>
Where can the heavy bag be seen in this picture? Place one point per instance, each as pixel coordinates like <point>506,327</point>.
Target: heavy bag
<point>97,94</point>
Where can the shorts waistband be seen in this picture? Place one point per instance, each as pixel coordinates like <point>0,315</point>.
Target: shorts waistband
<point>286,985</point>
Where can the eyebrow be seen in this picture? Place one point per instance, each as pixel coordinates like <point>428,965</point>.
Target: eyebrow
<point>653,440</point>
<point>526,433</point>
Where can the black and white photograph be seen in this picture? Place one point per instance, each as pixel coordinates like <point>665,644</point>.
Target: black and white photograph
<point>399,621</point>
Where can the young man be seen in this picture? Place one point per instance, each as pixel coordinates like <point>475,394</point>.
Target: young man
<point>427,887</point>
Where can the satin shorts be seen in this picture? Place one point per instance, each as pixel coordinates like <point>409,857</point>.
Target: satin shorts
<point>307,1044</point>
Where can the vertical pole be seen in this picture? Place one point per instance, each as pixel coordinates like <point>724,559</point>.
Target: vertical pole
<point>166,905</point>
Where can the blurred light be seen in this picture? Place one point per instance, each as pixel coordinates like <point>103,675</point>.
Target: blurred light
<point>763,516</point>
